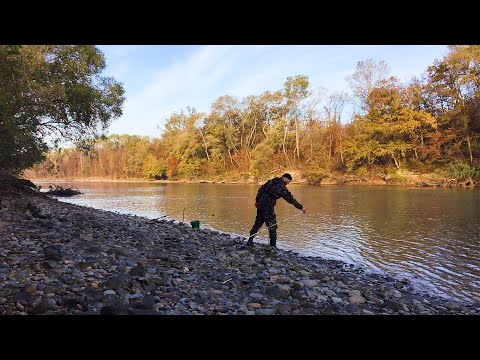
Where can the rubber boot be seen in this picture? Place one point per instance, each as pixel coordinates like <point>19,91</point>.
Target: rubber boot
<point>273,240</point>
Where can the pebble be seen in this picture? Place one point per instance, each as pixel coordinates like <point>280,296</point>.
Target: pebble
<point>127,265</point>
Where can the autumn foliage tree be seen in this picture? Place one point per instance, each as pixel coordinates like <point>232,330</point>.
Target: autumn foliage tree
<point>388,132</point>
<point>452,94</point>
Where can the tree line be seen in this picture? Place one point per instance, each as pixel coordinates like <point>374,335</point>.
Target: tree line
<point>429,124</point>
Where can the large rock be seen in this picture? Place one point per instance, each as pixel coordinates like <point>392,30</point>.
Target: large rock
<point>256,296</point>
<point>75,301</point>
<point>394,305</point>
<point>297,285</point>
<point>116,282</point>
<point>309,283</point>
<point>44,306</point>
<point>266,311</point>
<point>351,309</point>
<point>53,252</point>
<point>278,291</point>
<point>115,310</point>
<point>356,299</point>
<point>146,303</point>
<point>284,309</point>
<point>137,271</point>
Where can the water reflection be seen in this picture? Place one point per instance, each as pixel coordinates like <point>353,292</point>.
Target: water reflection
<point>431,236</point>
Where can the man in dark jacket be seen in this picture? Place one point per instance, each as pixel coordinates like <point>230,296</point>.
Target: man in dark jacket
<point>265,202</point>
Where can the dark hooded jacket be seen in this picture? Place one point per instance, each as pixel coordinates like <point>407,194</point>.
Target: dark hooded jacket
<point>272,190</point>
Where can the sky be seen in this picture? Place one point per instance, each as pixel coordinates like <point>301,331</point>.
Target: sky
<point>162,79</point>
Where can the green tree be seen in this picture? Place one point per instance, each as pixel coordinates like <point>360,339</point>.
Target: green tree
<point>52,93</point>
<point>223,128</point>
<point>154,168</point>
<point>186,143</point>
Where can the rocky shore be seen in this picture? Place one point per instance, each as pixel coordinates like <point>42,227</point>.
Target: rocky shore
<point>60,258</point>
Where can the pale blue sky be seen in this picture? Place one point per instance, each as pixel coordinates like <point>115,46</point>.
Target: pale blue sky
<point>161,79</point>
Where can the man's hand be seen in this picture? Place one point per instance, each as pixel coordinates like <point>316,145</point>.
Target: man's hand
<point>304,210</point>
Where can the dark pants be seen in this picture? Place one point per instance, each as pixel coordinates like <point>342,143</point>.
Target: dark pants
<point>265,215</point>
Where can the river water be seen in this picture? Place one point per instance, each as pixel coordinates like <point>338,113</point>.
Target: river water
<point>429,236</point>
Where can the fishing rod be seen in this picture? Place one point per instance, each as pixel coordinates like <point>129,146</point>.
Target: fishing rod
<point>278,222</point>
<point>174,212</point>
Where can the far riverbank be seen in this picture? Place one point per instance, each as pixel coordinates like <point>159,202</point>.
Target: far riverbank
<point>60,258</point>
<point>407,180</point>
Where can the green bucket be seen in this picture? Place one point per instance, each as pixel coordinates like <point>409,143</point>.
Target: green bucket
<point>195,224</point>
